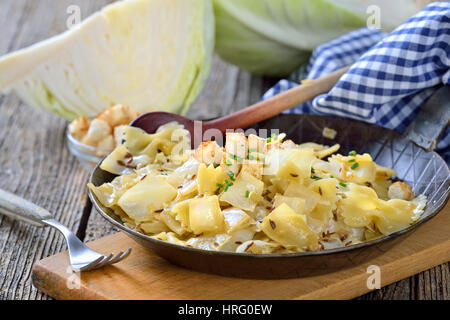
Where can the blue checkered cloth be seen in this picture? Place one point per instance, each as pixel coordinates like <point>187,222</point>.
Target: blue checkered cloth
<point>391,77</point>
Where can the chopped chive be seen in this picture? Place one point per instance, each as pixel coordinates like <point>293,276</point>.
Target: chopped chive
<point>235,157</point>
<point>312,170</point>
<point>164,173</point>
<point>228,163</point>
<point>219,185</point>
<point>231,175</point>
<point>216,165</point>
<point>343,184</point>
<point>316,178</point>
<point>227,185</point>
<point>351,160</point>
<point>273,137</point>
<point>354,166</point>
<point>247,194</point>
<point>352,153</point>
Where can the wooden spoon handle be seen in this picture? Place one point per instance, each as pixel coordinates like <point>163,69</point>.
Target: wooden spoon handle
<point>271,107</point>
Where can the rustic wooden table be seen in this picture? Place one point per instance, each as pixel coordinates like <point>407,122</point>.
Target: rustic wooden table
<point>36,164</point>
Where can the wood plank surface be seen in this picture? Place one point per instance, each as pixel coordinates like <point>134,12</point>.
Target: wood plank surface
<point>34,161</point>
<point>36,164</point>
<point>143,275</point>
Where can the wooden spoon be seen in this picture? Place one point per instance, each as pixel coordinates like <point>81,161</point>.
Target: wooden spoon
<point>244,118</point>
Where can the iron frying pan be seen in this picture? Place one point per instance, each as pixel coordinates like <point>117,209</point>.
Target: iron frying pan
<point>424,170</point>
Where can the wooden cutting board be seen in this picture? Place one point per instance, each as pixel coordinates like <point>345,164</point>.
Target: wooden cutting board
<point>144,275</point>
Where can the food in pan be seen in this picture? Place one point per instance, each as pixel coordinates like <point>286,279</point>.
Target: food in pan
<point>254,195</point>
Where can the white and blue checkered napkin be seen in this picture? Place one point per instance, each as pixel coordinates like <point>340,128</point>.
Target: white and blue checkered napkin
<point>391,77</point>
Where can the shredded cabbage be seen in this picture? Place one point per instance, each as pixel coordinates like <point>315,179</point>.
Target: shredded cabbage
<point>205,205</point>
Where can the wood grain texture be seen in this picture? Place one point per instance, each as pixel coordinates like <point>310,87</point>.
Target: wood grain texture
<point>143,275</point>
<point>35,163</point>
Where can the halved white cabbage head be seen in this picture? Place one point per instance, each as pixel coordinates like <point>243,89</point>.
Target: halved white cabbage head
<point>148,54</point>
<point>275,37</point>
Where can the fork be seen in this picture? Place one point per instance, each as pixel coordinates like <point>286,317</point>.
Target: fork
<point>81,257</point>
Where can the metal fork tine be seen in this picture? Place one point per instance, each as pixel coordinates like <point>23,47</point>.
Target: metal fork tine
<point>95,265</point>
<point>91,265</point>
<point>123,256</point>
<point>103,262</point>
<point>115,258</point>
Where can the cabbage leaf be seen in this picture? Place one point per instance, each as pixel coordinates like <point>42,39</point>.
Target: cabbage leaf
<point>275,37</point>
<point>148,54</point>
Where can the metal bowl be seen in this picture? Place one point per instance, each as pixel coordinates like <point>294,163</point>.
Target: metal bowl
<point>425,171</point>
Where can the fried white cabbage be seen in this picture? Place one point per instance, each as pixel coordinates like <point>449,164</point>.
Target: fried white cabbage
<point>252,195</point>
